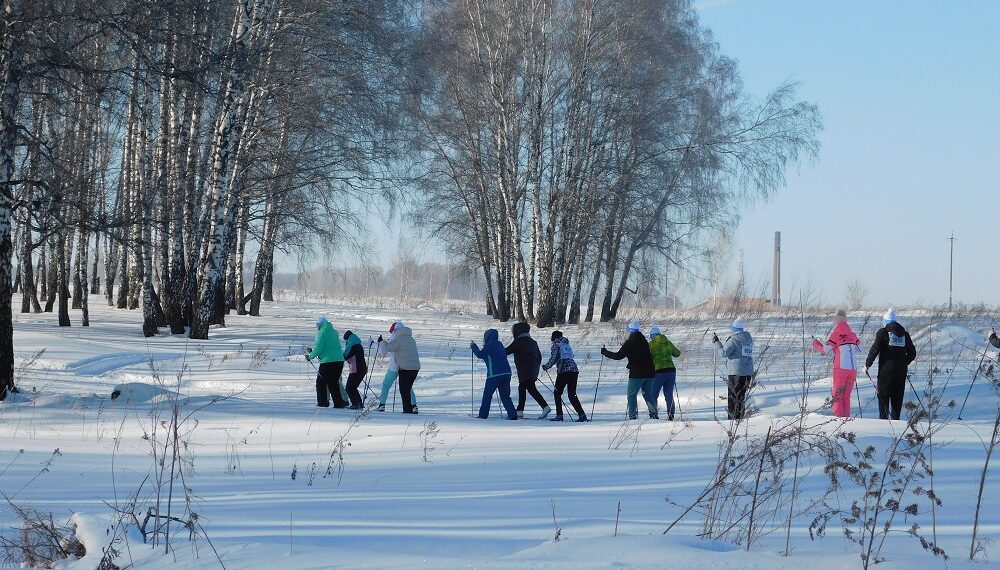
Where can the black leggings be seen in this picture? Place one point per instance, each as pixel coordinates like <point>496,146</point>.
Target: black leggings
<point>328,384</point>
<point>890,395</point>
<point>406,380</point>
<point>739,388</point>
<point>353,383</point>
<point>529,387</point>
<point>567,380</point>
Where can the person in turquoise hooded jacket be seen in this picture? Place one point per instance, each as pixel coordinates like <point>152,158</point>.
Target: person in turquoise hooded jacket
<point>331,365</point>
<point>498,374</point>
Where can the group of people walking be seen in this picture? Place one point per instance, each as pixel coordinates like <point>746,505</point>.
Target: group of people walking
<point>404,365</point>
<point>650,363</point>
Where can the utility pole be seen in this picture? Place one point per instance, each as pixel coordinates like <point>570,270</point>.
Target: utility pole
<point>951,272</point>
<point>776,274</point>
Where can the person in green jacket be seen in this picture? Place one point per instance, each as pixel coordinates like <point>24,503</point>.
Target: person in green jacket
<point>331,365</point>
<point>664,352</point>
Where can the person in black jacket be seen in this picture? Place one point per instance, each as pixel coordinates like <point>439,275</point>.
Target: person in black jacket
<point>895,351</point>
<point>641,370</point>
<point>527,360</point>
<point>354,356</point>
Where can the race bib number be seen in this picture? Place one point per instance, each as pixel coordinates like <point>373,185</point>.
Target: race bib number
<point>897,341</point>
<point>747,351</point>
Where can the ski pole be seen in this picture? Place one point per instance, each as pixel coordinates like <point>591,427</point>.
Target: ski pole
<point>715,380</point>
<point>857,388</point>
<point>677,395</point>
<point>915,393</point>
<point>371,365</point>
<point>974,376</point>
<point>600,368</point>
<point>472,386</point>
<point>857,392</point>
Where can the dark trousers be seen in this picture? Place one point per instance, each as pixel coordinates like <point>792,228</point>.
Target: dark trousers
<point>567,381</point>
<point>499,384</point>
<point>665,381</point>
<point>891,390</point>
<point>739,387</point>
<point>406,380</point>
<point>354,381</point>
<point>529,387</point>
<point>328,384</point>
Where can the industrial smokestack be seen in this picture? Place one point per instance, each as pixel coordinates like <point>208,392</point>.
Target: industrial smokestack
<point>776,277</point>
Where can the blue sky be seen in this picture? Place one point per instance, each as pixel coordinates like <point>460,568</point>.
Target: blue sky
<point>910,97</point>
<point>909,91</point>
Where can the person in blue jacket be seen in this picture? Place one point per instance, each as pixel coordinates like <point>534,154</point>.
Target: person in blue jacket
<point>498,374</point>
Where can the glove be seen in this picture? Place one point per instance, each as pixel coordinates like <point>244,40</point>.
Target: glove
<point>866,371</point>
<point>380,340</point>
<point>993,333</point>
<point>308,358</point>
<point>545,368</point>
<point>472,346</point>
<point>715,338</point>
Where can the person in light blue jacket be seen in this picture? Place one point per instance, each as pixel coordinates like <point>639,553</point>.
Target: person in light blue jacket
<point>738,351</point>
<point>498,374</point>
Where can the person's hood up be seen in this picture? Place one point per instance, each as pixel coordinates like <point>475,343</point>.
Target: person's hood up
<point>491,335</point>
<point>402,330</point>
<point>352,339</point>
<point>895,328</point>
<point>842,334</point>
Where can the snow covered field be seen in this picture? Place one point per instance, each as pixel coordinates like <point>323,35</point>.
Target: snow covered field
<point>278,483</point>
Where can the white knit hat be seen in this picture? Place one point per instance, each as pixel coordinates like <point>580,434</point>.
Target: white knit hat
<point>890,316</point>
<point>739,324</point>
<point>634,326</point>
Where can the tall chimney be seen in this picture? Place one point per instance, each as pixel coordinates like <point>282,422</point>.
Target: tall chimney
<point>776,277</point>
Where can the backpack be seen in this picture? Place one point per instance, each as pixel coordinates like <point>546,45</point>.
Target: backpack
<point>565,351</point>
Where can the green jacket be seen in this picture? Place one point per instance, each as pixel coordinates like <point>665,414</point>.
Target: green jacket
<point>327,346</point>
<point>664,352</point>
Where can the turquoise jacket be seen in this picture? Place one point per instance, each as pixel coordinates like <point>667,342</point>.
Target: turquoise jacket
<point>327,346</point>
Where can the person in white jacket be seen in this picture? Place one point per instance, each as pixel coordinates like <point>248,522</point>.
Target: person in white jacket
<point>391,372</point>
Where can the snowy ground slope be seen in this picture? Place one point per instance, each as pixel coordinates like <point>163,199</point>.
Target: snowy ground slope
<point>485,497</point>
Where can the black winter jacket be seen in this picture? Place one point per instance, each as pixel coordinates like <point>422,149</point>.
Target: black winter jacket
<point>894,350</point>
<point>527,356</point>
<point>360,364</point>
<point>636,350</point>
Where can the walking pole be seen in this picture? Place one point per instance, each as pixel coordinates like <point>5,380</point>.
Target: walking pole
<point>715,380</point>
<point>569,409</point>
<point>677,396</point>
<point>857,392</point>
<point>371,365</point>
<point>472,386</point>
<point>915,393</point>
<point>600,368</point>
<point>875,387</point>
<point>976,375</point>
<point>857,388</point>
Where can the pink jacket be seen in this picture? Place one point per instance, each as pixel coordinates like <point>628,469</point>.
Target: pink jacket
<point>845,346</point>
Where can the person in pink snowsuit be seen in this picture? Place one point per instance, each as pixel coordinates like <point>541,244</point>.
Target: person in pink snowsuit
<point>845,346</point>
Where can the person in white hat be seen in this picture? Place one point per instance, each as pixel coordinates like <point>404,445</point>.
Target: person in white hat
<point>664,352</point>
<point>641,371</point>
<point>895,351</point>
<point>738,350</point>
